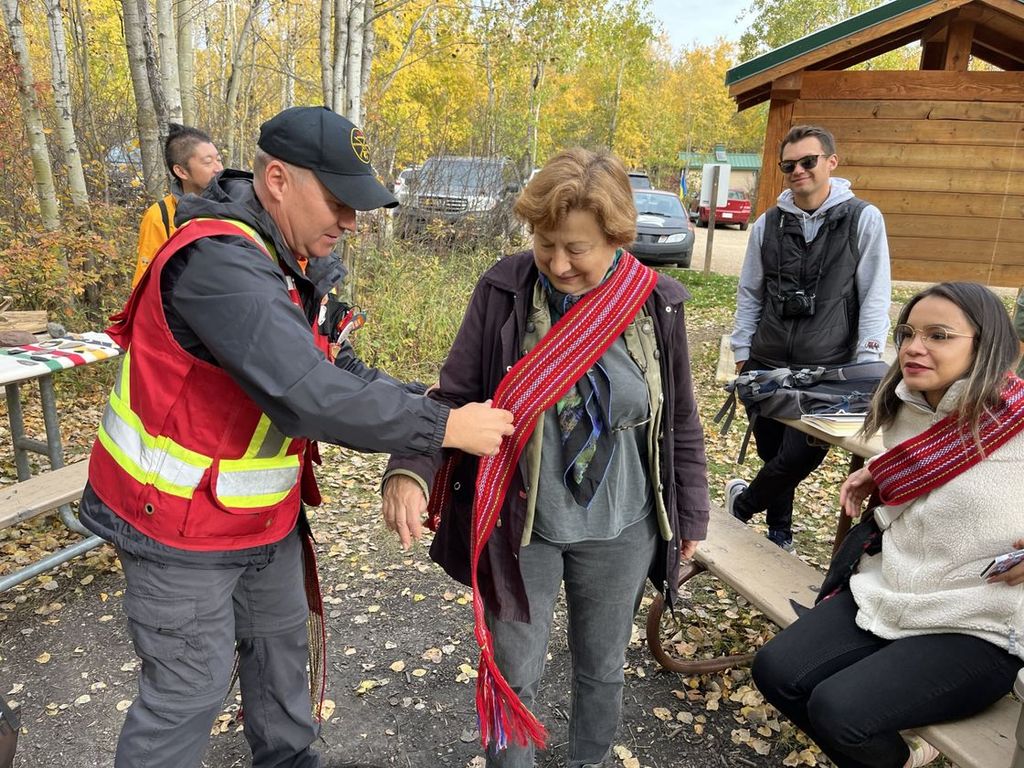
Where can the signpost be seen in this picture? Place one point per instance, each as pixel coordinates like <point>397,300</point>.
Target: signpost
<point>714,191</point>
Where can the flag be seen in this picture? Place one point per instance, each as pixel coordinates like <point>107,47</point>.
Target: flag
<point>682,184</point>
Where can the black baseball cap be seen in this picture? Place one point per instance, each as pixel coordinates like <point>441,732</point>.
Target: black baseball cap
<point>331,147</point>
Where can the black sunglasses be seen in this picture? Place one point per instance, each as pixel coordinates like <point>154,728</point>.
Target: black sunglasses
<point>807,163</point>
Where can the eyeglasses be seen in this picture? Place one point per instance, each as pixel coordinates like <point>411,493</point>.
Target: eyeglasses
<point>932,336</point>
<point>807,162</point>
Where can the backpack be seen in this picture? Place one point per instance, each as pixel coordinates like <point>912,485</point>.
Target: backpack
<point>782,393</point>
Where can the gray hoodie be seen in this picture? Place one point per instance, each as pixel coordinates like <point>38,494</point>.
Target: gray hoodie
<point>873,283</point>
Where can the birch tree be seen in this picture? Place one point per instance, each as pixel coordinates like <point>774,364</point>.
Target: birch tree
<point>338,100</point>
<point>327,51</point>
<point>234,81</point>
<point>42,173</point>
<point>354,59</point>
<point>145,110</point>
<point>62,103</point>
<point>167,45</point>
<point>366,67</point>
<point>184,16</point>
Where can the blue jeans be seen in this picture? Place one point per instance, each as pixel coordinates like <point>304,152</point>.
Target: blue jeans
<point>852,692</point>
<point>185,624</point>
<point>604,581</point>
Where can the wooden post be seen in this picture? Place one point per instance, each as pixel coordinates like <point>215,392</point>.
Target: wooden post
<point>713,206</point>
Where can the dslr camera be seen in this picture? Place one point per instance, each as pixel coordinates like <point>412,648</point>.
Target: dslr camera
<point>797,304</point>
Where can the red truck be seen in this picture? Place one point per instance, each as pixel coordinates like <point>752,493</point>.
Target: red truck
<point>736,211</point>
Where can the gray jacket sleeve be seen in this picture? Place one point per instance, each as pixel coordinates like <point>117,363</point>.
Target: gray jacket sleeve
<point>236,302</point>
<point>874,287</point>
<point>749,294</point>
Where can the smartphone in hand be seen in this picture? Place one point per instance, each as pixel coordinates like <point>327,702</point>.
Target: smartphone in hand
<point>1003,563</point>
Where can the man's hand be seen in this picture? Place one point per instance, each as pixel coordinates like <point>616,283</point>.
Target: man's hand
<point>1015,575</point>
<point>404,507</point>
<point>477,428</point>
<point>855,490</point>
<point>687,549</point>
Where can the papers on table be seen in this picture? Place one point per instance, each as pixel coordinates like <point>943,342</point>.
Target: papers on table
<point>837,424</point>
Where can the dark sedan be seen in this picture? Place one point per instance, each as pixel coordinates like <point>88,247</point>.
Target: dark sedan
<point>664,231</point>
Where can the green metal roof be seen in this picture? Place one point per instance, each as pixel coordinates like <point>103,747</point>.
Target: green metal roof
<point>822,37</point>
<point>740,161</point>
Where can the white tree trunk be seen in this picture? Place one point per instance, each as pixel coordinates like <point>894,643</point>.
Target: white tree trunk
<point>288,49</point>
<point>145,111</point>
<point>185,16</point>
<point>339,101</point>
<point>62,103</point>
<point>235,81</point>
<point>354,57</point>
<point>167,45</point>
<point>327,52</point>
<point>42,173</point>
<point>369,44</point>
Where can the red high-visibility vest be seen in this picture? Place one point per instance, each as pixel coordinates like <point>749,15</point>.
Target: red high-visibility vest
<point>183,454</point>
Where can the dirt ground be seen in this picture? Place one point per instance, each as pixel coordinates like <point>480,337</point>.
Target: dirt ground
<point>400,647</point>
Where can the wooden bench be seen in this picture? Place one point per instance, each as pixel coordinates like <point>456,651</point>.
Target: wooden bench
<point>37,496</point>
<point>773,581</point>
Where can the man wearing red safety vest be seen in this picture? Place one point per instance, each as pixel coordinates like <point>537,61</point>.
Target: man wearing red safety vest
<point>204,455</point>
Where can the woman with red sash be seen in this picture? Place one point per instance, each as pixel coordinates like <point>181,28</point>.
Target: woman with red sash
<point>924,632</point>
<point>602,485</point>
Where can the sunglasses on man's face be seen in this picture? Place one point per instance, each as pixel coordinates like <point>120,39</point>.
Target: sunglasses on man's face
<point>807,163</point>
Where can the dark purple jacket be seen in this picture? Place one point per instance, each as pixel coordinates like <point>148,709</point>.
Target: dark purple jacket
<point>487,345</point>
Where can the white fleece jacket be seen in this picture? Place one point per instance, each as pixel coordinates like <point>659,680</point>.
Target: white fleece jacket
<point>926,578</point>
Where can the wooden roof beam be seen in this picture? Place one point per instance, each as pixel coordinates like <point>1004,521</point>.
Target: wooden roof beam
<point>999,45</point>
<point>958,45</point>
<point>998,58</point>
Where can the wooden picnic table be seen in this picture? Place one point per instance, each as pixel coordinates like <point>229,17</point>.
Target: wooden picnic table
<point>58,486</point>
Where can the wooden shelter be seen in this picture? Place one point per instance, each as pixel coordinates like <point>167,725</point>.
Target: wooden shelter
<point>940,150</point>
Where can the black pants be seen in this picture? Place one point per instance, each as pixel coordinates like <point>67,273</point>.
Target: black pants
<point>789,456</point>
<point>852,692</point>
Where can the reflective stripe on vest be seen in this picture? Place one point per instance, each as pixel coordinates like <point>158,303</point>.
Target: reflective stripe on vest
<point>264,475</point>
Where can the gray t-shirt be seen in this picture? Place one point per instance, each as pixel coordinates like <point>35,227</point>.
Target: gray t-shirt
<point>624,496</point>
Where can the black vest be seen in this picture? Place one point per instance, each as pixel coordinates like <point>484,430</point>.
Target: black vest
<point>825,268</point>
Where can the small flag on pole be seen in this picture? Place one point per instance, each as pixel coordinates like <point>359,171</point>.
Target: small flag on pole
<point>682,184</point>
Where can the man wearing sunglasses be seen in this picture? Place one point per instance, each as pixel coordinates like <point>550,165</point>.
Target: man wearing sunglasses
<point>814,290</point>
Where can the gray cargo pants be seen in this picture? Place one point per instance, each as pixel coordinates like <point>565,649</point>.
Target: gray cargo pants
<point>185,623</point>
<point>604,581</point>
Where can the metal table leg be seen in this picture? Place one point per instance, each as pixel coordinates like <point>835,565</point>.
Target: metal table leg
<point>17,422</point>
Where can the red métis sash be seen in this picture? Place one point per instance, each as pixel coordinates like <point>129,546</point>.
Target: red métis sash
<point>943,451</point>
<point>534,384</point>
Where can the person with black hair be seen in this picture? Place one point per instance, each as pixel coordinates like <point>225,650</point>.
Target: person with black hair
<point>192,160</point>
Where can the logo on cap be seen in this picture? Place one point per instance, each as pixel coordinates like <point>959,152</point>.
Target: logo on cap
<point>359,145</point>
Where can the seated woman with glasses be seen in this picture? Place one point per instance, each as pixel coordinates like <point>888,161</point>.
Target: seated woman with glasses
<point>604,482</point>
<point>923,632</point>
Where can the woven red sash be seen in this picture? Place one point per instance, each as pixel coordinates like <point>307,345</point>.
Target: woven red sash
<point>534,384</point>
<point>943,451</point>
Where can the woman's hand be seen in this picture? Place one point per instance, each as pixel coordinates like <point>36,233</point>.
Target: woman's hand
<point>855,490</point>
<point>1015,575</point>
<point>687,549</point>
<point>404,507</point>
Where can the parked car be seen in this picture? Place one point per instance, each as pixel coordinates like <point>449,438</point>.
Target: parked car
<point>400,188</point>
<point>736,211</point>
<point>124,173</point>
<point>664,231</point>
<point>639,180</point>
<point>473,194</point>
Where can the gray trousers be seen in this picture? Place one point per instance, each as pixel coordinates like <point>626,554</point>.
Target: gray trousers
<point>604,581</point>
<point>185,624</point>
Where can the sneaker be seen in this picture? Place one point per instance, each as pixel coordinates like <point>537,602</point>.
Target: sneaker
<point>921,752</point>
<point>781,539</point>
<point>733,489</point>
